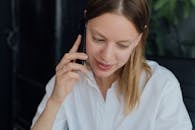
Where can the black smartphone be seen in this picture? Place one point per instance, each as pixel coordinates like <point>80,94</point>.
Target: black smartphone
<point>82,46</point>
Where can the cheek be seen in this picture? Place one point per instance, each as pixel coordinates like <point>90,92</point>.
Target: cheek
<point>122,60</point>
<point>123,57</point>
<point>90,49</point>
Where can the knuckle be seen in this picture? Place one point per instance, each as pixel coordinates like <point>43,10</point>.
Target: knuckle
<point>57,68</point>
<point>58,74</point>
<point>66,55</point>
<point>69,73</point>
<point>68,66</point>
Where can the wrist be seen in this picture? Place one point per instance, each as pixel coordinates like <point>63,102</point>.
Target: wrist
<point>54,102</point>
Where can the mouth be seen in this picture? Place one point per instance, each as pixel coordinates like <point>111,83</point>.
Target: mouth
<point>103,66</point>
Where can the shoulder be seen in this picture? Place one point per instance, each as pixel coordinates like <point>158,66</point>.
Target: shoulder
<point>163,96</point>
<point>162,84</point>
<point>161,76</point>
<point>160,72</point>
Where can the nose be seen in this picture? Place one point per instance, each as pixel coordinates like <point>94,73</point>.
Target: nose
<point>107,53</point>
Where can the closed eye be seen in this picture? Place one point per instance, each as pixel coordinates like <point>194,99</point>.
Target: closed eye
<point>98,40</point>
<point>123,46</point>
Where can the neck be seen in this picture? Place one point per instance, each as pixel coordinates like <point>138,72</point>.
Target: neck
<point>104,83</point>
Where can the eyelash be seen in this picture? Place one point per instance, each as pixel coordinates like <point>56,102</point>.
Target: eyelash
<point>101,40</point>
<point>98,40</point>
<point>122,46</point>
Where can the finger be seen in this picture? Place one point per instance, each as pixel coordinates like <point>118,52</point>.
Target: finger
<point>73,75</point>
<point>77,67</point>
<point>76,44</point>
<point>74,67</point>
<point>73,56</point>
<point>68,76</point>
<point>68,57</point>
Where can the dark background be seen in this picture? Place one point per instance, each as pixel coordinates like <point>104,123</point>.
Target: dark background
<point>34,35</point>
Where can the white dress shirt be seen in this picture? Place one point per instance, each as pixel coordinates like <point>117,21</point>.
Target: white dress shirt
<point>161,105</point>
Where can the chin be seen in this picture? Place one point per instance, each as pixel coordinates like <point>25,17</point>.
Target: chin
<point>103,74</point>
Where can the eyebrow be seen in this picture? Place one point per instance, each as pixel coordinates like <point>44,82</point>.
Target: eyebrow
<point>97,33</point>
<point>121,41</point>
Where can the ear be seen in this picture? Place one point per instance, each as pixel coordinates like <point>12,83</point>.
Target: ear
<point>84,13</point>
<point>146,26</point>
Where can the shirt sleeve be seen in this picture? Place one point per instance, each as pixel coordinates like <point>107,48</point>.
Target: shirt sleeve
<point>172,114</point>
<point>60,121</point>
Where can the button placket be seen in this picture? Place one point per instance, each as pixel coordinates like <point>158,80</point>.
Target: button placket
<point>103,104</point>
<point>100,106</point>
<point>108,112</point>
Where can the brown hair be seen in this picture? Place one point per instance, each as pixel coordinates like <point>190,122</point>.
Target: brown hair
<point>137,11</point>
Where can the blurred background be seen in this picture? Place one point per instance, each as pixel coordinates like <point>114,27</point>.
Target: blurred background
<point>35,34</point>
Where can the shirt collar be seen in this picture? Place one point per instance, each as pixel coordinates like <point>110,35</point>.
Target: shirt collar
<point>89,77</point>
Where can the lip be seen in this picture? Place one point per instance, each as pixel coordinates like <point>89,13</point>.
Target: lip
<point>103,66</point>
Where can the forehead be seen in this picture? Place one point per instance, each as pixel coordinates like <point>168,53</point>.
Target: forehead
<point>114,25</point>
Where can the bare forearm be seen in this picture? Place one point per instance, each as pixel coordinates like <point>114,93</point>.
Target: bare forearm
<point>46,119</point>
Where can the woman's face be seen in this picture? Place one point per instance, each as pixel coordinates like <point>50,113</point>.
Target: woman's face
<point>110,40</point>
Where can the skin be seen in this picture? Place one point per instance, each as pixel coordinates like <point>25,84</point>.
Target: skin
<point>110,40</point>
<point>66,76</point>
<point>109,46</point>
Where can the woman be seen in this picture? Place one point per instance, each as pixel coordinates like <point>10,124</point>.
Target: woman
<point>117,89</point>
